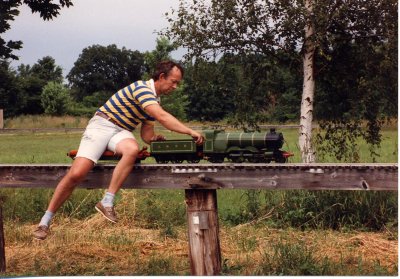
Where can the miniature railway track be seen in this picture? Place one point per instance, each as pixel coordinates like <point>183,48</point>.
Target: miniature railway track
<point>215,176</point>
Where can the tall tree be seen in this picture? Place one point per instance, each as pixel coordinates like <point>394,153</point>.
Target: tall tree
<point>11,99</point>
<point>104,69</point>
<point>307,99</point>
<point>207,83</point>
<point>47,10</point>
<point>210,28</point>
<point>162,52</point>
<point>33,79</point>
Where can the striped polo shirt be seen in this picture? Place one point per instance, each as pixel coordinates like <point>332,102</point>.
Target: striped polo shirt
<point>126,107</point>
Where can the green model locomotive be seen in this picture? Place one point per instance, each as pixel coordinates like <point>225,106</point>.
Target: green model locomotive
<point>237,147</point>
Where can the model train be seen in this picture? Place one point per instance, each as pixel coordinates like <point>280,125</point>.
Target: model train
<point>237,147</point>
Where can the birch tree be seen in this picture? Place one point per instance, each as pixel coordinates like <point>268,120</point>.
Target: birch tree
<point>208,29</point>
<point>307,100</point>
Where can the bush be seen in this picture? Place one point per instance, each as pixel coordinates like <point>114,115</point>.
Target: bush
<point>336,210</point>
<point>55,98</point>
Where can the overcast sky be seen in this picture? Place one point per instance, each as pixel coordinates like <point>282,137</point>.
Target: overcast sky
<point>125,23</point>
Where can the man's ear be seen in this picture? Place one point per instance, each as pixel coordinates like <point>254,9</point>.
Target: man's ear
<point>162,76</point>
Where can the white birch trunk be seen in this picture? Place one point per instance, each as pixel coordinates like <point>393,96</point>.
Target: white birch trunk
<point>307,100</point>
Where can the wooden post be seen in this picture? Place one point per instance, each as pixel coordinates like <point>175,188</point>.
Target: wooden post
<point>204,248</point>
<point>1,119</point>
<point>2,242</point>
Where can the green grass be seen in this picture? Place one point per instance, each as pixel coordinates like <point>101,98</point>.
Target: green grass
<point>37,148</point>
<point>52,148</point>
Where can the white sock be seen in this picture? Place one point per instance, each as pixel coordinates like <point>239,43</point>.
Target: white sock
<point>46,219</point>
<point>108,200</point>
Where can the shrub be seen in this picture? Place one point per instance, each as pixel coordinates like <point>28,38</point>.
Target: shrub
<point>336,210</point>
<point>55,98</point>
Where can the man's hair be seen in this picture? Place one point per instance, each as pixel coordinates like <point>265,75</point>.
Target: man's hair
<point>165,67</point>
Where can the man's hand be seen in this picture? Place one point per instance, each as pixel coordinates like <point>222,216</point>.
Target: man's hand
<point>158,138</point>
<point>198,138</point>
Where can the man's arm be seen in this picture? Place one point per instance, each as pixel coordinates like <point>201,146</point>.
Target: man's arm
<point>148,135</point>
<point>171,123</point>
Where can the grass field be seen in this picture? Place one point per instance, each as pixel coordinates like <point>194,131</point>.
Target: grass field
<point>52,147</point>
<point>262,232</point>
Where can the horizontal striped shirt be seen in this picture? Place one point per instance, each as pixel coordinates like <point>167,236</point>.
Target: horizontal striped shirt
<point>126,107</point>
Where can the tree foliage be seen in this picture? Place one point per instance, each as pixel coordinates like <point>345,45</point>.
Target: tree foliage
<point>47,10</point>
<point>11,97</point>
<point>20,90</point>
<point>32,81</point>
<point>211,29</point>
<point>162,52</point>
<point>208,85</point>
<point>55,98</point>
<point>104,69</point>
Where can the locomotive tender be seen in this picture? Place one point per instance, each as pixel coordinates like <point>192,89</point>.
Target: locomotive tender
<point>238,147</point>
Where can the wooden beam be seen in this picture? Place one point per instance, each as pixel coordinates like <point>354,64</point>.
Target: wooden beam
<point>203,231</point>
<point>216,176</point>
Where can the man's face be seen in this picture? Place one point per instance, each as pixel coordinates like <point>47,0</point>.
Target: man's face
<point>170,82</point>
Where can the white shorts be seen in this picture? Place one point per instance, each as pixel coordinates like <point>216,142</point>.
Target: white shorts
<point>101,135</point>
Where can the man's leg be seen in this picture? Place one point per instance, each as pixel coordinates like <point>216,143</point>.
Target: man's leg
<point>79,169</point>
<point>128,149</point>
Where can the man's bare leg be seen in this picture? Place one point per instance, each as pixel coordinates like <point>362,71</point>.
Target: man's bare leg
<point>129,150</point>
<point>78,171</point>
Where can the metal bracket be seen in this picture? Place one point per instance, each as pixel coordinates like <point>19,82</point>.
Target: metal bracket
<point>316,171</point>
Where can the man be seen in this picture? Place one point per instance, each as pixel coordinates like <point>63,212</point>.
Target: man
<point>111,128</point>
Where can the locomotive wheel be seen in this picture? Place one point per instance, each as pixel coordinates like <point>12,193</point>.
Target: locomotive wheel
<point>254,160</point>
<point>237,159</point>
<point>161,160</point>
<point>177,161</point>
<point>194,161</point>
<point>217,159</point>
<point>281,160</point>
